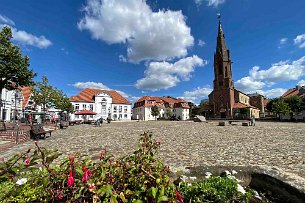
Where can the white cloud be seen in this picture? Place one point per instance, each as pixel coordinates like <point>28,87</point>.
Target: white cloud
<point>95,85</point>
<point>272,93</point>
<point>197,94</point>
<point>201,43</point>
<point>249,84</point>
<point>122,58</point>
<point>163,75</point>
<point>161,35</point>
<point>300,41</point>
<point>282,42</point>
<point>24,37</point>
<point>29,39</point>
<point>278,72</point>
<point>6,20</point>
<point>301,83</point>
<point>214,3</point>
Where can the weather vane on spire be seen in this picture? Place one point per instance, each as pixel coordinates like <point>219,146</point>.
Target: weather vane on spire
<point>218,16</point>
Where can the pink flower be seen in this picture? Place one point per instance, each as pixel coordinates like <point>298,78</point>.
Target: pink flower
<point>91,186</point>
<point>179,197</point>
<point>27,160</point>
<point>87,174</point>
<point>59,194</point>
<point>70,180</point>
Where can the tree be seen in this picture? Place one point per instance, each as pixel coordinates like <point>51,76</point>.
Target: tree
<point>43,94</point>
<point>280,107</point>
<point>294,103</point>
<point>62,102</point>
<point>154,111</point>
<point>14,70</point>
<point>169,113</point>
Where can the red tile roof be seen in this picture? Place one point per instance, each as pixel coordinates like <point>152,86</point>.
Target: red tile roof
<point>239,105</point>
<point>161,102</point>
<point>294,92</point>
<point>26,92</point>
<point>87,95</point>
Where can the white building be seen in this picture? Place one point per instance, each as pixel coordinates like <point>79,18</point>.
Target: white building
<point>11,100</point>
<point>167,106</point>
<point>105,103</point>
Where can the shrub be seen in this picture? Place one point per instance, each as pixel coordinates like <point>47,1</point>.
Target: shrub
<point>138,177</point>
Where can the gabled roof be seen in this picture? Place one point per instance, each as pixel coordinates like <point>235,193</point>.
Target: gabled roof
<point>239,105</point>
<point>26,92</point>
<point>87,95</point>
<point>161,101</point>
<point>297,91</point>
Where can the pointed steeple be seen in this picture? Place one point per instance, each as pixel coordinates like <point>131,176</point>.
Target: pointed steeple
<point>221,47</point>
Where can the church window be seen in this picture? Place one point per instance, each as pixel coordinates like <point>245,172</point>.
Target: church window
<point>220,70</point>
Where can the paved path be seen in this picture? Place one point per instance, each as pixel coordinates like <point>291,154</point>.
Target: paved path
<point>280,145</point>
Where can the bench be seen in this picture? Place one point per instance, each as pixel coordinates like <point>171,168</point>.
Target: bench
<point>37,131</point>
<point>222,123</point>
<point>63,124</point>
<point>242,121</point>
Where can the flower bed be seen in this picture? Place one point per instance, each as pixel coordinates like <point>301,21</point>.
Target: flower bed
<point>138,177</point>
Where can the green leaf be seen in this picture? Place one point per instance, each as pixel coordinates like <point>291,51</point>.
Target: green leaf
<point>162,199</point>
<point>106,190</point>
<point>137,201</point>
<point>123,197</point>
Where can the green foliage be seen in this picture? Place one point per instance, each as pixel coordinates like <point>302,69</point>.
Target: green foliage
<point>13,66</point>
<point>14,70</point>
<point>294,103</point>
<point>139,177</point>
<point>61,101</point>
<point>213,189</point>
<point>154,111</point>
<point>168,113</point>
<point>48,96</point>
<point>281,107</point>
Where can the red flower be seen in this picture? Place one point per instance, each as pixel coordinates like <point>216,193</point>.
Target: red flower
<point>27,160</point>
<point>87,174</point>
<point>70,180</point>
<point>71,159</point>
<point>179,197</point>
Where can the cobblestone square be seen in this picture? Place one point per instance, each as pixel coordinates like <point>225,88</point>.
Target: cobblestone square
<point>280,145</point>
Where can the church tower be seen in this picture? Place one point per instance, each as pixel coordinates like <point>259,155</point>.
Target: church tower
<point>221,98</point>
<point>222,63</point>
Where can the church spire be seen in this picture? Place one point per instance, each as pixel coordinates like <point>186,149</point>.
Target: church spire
<point>221,47</point>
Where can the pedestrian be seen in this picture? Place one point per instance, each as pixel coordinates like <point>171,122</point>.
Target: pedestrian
<point>253,121</point>
<point>98,123</point>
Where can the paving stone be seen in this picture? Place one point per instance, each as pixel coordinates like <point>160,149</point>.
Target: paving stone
<point>183,144</point>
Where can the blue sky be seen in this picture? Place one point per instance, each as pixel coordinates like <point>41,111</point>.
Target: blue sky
<point>160,47</point>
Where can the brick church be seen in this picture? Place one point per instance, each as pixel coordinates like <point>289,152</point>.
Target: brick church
<point>225,101</point>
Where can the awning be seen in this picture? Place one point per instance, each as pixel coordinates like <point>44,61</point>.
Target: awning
<point>85,112</point>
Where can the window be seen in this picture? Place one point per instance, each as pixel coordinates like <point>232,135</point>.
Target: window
<point>120,116</point>
<point>120,109</point>
<point>103,109</point>
<point>115,108</point>
<point>77,116</point>
<point>125,115</point>
<point>91,107</point>
<point>91,116</point>
<point>125,109</point>
<point>76,107</point>
<point>114,116</point>
<point>220,84</point>
<point>84,106</point>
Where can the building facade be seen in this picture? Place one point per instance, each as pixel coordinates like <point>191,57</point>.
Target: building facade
<point>11,101</point>
<point>105,103</point>
<point>168,108</point>
<point>225,101</point>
